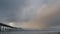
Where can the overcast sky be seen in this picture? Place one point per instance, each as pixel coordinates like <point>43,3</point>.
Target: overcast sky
<point>32,14</point>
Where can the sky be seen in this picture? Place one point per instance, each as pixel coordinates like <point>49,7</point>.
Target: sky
<point>30,14</point>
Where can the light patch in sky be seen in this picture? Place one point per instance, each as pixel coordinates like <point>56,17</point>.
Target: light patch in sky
<point>11,24</point>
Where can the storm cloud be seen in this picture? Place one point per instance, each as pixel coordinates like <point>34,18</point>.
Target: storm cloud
<point>30,13</point>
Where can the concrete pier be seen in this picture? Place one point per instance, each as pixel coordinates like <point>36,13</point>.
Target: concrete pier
<point>4,27</point>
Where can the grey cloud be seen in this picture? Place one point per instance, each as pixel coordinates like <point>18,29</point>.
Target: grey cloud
<point>12,10</point>
<point>8,8</point>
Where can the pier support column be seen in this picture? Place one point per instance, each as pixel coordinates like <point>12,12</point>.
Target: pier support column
<point>3,28</point>
<point>58,33</point>
<point>0,27</point>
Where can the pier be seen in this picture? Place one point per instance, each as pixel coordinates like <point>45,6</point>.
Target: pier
<point>4,27</point>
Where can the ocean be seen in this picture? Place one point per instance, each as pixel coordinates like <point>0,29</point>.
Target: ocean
<point>30,32</point>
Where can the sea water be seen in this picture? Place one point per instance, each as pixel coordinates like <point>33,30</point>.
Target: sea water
<point>30,32</point>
